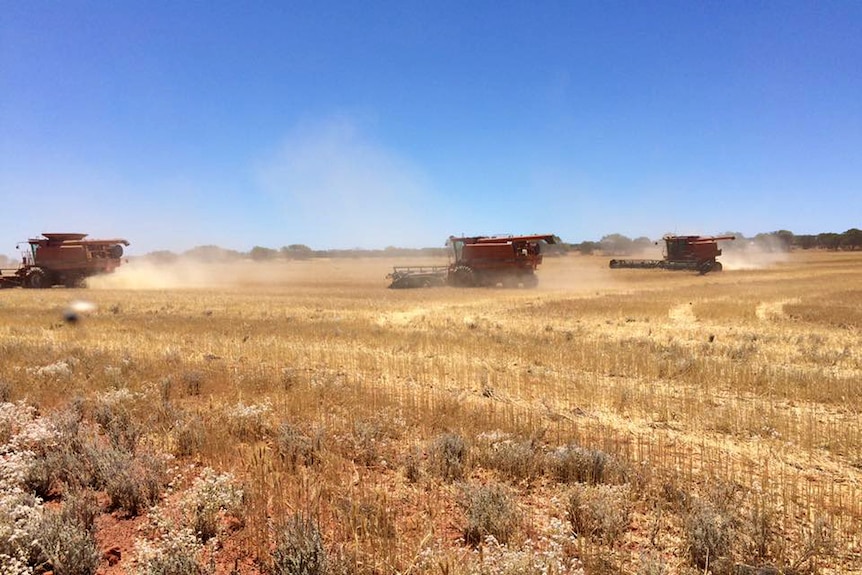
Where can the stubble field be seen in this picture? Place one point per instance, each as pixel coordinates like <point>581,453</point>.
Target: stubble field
<point>299,417</point>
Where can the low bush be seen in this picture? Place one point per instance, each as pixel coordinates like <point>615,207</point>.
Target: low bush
<point>490,511</point>
<point>66,538</point>
<point>211,497</point>
<point>248,422</point>
<point>295,448</point>
<point>298,548</point>
<point>133,483</point>
<point>113,412</point>
<point>447,457</point>
<point>600,512</point>
<point>171,553</point>
<point>710,533</point>
<point>516,460</point>
<point>575,464</point>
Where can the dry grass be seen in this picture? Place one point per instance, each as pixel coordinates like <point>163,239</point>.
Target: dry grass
<point>725,407</point>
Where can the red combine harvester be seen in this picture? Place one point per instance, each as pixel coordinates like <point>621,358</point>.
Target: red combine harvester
<point>696,253</point>
<point>509,261</point>
<point>63,259</point>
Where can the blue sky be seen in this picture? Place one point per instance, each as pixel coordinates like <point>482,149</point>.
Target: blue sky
<point>373,124</point>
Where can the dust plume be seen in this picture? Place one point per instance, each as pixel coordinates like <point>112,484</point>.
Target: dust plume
<point>577,273</point>
<point>190,273</point>
<point>753,254</point>
<point>337,187</point>
<point>143,274</point>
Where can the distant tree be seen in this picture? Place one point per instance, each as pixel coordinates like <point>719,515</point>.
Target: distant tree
<point>259,253</point>
<point>210,254</point>
<point>616,244</point>
<point>587,248</point>
<point>785,237</point>
<point>805,241</point>
<point>296,252</point>
<point>162,257</point>
<point>852,239</point>
<point>829,240</point>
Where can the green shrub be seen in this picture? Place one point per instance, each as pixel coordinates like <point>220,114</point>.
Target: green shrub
<point>66,538</point>
<point>133,483</point>
<point>599,512</point>
<point>519,460</point>
<point>490,511</point>
<point>298,548</point>
<point>710,534</point>
<point>575,464</point>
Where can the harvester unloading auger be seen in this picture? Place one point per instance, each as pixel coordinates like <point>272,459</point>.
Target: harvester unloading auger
<point>696,253</point>
<point>508,261</point>
<point>63,259</point>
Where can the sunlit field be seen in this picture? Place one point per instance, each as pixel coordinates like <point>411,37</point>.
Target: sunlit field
<point>299,417</point>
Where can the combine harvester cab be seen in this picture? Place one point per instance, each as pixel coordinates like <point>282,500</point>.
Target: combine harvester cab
<point>507,261</point>
<point>64,259</point>
<point>693,253</point>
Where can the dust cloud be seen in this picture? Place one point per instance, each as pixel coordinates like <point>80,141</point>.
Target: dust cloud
<point>577,273</point>
<point>752,255</point>
<point>331,176</point>
<point>190,273</point>
<point>143,275</point>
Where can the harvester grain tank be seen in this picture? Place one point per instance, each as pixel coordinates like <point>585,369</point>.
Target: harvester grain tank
<point>63,259</point>
<point>696,253</point>
<point>508,261</point>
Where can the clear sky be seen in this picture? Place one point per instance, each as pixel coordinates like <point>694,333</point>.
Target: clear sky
<point>373,124</point>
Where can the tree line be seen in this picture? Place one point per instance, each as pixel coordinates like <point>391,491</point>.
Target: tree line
<point>616,244</point>
<point>781,240</point>
<point>611,244</point>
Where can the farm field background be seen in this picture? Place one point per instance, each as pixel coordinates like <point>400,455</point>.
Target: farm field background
<point>610,421</point>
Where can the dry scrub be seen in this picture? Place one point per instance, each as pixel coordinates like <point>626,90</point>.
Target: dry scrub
<point>301,418</point>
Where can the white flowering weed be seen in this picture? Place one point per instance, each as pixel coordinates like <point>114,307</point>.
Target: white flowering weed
<point>248,421</point>
<point>20,512</point>
<point>551,554</point>
<point>211,497</point>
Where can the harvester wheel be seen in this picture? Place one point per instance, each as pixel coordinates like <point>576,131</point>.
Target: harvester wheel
<point>462,276</point>
<point>717,267</point>
<point>36,279</point>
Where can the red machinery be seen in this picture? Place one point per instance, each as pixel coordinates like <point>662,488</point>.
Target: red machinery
<point>696,253</point>
<point>510,261</point>
<point>63,259</point>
